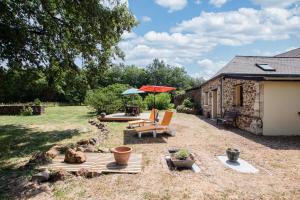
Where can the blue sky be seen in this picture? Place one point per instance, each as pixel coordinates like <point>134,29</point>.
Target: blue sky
<point>202,36</point>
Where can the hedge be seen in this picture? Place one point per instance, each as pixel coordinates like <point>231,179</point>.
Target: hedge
<point>16,109</point>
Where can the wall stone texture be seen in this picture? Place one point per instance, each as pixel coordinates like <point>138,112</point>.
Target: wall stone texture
<point>250,113</point>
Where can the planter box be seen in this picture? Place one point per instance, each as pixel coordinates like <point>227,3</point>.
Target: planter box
<point>188,163</point>
<point>16,109</point>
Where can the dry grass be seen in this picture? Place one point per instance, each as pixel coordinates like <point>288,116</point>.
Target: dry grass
<point>277,159</point>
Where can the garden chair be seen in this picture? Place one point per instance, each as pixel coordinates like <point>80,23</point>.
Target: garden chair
<point>162,126</point>
<point>229,118</point>
<point>153,116</point>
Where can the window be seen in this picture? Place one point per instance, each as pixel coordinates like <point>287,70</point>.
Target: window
<point>238,96</point>
<point>265,67</point>
<point>206,98</point>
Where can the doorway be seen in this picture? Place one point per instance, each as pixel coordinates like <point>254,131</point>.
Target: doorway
<point>214,107</point>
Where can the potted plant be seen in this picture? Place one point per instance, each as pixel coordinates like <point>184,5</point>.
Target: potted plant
<point>183,159</point>
<point>121,154</point>
<point>102,115</point>
<point>232,154</point>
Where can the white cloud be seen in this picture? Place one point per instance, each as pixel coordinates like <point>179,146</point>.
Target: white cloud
<point>111,3</point>
<point>275,3</point>
<point>128,35</point>
<point>146,19</point>
<point>187,43</point>
<point>208,67</point>
<point>176,48</point>
<point>243,26</point>
<point>173,5</point>
<point>218,3</point>
<point>197,2</point>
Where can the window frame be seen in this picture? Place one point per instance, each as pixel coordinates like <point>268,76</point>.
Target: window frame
<point>238,99</point>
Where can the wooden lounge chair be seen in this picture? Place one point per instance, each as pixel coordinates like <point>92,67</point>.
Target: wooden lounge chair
<point>142,122</point>
<point>154,128</point>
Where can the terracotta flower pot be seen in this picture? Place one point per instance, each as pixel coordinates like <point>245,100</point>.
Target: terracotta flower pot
<point>122,154</point>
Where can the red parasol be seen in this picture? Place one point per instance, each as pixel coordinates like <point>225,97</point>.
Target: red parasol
<point>155,89</point>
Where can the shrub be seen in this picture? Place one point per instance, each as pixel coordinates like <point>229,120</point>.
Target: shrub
<point>108,99</point>
<point>37,102</point>
<point>162,101</point>
<point>183,109</point>
<point>26,111</point>
<point>136,100</point>
<point>182,154</point>
<point>188,103</point>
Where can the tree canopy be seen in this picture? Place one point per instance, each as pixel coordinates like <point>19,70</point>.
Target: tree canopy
<point>43,33</point>
<point>40,41</point>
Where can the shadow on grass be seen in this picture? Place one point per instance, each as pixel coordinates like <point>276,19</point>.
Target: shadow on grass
<point>131,137</point>
<point>17,142</point>
<point>89,115</point>
<point>273,142</point>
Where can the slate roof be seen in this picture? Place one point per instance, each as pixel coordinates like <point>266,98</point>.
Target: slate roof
<point>247,65</point>
<point>291,53</point>
<point>286,65</point>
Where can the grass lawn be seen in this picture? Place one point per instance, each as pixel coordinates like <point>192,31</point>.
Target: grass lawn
<point>20,136</point>
<point>276,158</point>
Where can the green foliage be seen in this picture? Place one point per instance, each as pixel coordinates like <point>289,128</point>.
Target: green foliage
<point>26,111</point>
<point>19,84</point>
<point>182,154</point>
<point>76,87</point>
<point>156,73</point>
<point>188,103</point>
<point>179,92</point>
<point>136,100</point>
<point>160,101</point>
<point>40,41</point>
<point>108,99</point>
<point>37,102</point>
<point>183,109</point>
<point>160,73</point>
<point>189,107</point>
<point>39,33</point>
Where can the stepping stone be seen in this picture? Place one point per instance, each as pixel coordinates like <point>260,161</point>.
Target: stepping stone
<point>240,166</point>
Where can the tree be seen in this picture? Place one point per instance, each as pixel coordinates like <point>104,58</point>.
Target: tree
<point>108,99</point>
<point>76,86</point>
<point>134,76</point>
<point>160,73</point>
<point>38,33</point>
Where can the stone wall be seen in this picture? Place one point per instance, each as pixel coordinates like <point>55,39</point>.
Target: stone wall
<point>194,94</point>
<point>250,114</point>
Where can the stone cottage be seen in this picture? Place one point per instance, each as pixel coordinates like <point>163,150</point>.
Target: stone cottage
<point>265,91</point>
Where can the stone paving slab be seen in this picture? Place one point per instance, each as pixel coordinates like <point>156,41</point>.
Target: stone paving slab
<point>240,166</point>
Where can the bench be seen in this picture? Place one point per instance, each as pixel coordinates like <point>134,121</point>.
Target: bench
<point>229,118</point>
